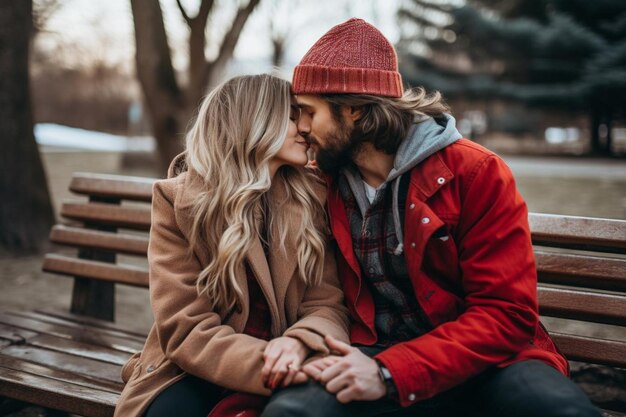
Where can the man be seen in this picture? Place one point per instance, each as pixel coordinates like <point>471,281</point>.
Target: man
<point>434,253</point>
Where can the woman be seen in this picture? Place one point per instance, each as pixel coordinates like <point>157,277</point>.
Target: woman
<point>237,257</point>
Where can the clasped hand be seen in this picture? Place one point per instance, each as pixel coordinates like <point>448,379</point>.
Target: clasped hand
<point>351,374</point>
<point>283,357</point>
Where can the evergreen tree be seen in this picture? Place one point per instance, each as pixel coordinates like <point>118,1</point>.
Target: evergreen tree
<point>568,54</point>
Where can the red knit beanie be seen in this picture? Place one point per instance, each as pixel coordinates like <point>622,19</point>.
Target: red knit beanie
<point>353,57</point>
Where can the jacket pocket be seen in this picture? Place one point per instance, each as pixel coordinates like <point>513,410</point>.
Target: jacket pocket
<point>130,368</point>
<point>441,260</point>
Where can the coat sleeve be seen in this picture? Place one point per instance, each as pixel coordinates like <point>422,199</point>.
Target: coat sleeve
<point>322,311</point>
<point>499,282</point>
<point>190,334</point>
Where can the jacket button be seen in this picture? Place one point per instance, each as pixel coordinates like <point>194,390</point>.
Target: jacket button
<point>441,180</point>
<point>150,369</point>
<point>411,397</point>
<point>412,206</point>
<point>413,245</point>
<point>425,220</point>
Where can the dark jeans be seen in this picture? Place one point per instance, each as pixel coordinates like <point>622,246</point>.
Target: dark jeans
<point>524,389</point>
<point>189,397</point>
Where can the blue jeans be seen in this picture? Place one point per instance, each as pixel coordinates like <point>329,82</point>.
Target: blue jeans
<point>524,389</point>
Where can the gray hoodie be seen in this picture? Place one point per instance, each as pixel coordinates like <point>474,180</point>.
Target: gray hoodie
<point>425,137</point>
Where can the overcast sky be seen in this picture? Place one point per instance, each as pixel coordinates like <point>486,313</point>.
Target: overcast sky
<point>106,26</point>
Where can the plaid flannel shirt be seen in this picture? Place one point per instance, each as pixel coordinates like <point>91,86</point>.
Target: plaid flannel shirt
<point>398,314</point>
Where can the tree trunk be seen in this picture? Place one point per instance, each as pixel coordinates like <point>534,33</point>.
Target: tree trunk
<point>170,106</point>
<point>162,94</point>
<point>595,130</point>
<point>26,212</point>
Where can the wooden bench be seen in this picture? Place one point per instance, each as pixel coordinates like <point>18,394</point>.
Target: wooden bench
<point>71,361</point>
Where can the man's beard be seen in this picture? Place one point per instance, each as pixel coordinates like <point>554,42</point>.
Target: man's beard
<point>341,145</point>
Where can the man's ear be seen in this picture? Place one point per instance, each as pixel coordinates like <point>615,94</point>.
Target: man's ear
<point>353,113</point>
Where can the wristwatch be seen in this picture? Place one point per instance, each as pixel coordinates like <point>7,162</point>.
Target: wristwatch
<point>385,376</point>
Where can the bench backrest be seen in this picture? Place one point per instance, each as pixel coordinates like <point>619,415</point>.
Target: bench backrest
<point>580,261</point>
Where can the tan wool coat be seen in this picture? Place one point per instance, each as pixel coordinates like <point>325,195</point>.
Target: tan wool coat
<point>188,338</point>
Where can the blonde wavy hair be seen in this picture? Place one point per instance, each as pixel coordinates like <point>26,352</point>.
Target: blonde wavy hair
<point>386,121</point>
<point>240,126</point>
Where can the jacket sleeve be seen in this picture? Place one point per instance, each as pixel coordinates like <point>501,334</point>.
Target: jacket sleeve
<point>190,334</point>
<point>499,283</point>
<point>322,311</point>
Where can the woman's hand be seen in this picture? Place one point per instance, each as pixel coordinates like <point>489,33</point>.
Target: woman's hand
<point>283,357</point>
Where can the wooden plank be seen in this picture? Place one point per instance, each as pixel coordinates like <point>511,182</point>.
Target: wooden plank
<point>14,335</point>
<point>604,235</point>
<point>64,323</point>
<point>92,297</point>
<point>592,350</point>
<point>582,305</point>
<point>581,270</point>
<point>78,320</point>
<point>59,395</point>
<point>95,239</point>
<point>608,413</point>
<point>116,186</point>
<point>80,349</point>
<point>59,375</point>
<point>129,217</point>
<point>121,274</point>
<point>84,334</point>
<point>65,362</point>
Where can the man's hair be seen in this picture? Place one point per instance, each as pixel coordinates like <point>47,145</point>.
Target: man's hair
<point>385,121</point>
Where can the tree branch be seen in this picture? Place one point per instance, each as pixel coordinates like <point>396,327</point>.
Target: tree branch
<point>230,39</point>
<point>205,9</point>
<point>183,12</point>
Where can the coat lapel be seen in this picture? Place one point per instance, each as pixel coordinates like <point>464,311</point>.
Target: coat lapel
<point>273,274</point>
<point>260,268</point>
<point>282,261</point>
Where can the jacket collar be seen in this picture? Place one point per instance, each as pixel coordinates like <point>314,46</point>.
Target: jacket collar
<point>430,175</point>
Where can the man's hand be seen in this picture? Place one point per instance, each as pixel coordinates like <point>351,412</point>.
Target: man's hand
<point>351,376</point>
<point>283,357</point>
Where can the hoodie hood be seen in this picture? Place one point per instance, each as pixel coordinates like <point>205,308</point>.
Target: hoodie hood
<point>427,136</point>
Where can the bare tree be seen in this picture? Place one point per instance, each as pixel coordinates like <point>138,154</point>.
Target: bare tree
<point>26,212</point>
<point>42,12</point>
<point>171,105</point>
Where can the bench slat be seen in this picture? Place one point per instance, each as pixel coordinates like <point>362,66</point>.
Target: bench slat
<point>82,321</point>
<point>588,349</point>
<point>66,265</point>
<point>604,235</point>
<point>78,334</point>
<point>95,239</point>
<point>116,186</point>
<point>112,330</point>
<point>130,217</point>
<point>582,305</point>
<point>55,394</point>
<point>80,349</point>
<point>65,362</point>
<point>82,380</point>
<point>581,270</point>
<point>13,335</point>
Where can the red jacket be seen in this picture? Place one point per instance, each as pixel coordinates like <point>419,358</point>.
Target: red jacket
<point>474,278</point>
